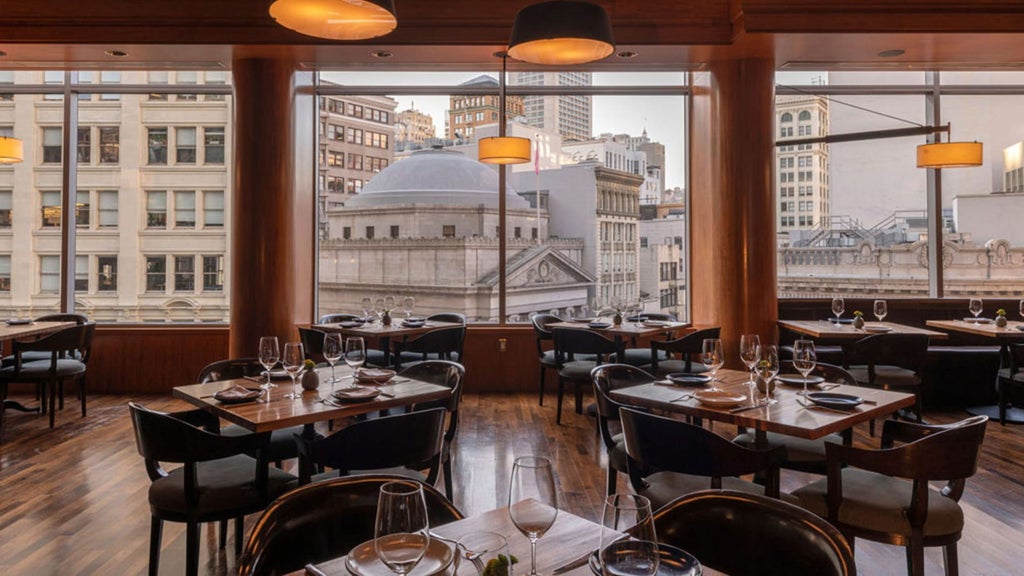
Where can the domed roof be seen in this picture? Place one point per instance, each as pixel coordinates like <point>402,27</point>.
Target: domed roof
<point>435,177</point>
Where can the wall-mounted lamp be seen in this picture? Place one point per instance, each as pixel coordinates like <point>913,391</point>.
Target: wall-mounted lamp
<point>12,150</point>
<point>336,19</point>
<point>561,33</point>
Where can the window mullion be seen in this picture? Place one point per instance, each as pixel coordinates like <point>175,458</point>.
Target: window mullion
<point>69,161</point>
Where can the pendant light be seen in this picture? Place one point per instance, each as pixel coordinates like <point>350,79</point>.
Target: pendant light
<point>561,33</point>
<point>336,19</point>
<point>949,155</point>
<point>504,150</point>
<point>12,150</point>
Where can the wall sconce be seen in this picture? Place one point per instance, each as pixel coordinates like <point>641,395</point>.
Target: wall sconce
<point>336,19</point>
<point>561,33</point>
<point>12,150</point>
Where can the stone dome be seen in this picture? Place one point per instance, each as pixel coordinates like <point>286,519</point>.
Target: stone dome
<point>435,177</point>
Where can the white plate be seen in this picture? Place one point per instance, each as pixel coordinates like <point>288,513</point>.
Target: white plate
<point>877,329</point>
<point>719,398</point>
<point>363,561</point>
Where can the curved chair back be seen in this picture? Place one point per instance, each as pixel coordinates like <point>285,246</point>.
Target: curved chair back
<point>448,317</point>
<point>606,378</point>
<point>58,344</point>
<point>686,346</point>
<point>903,350</point>
<point>336,318</point>
<point>830,372</point>
<point>660,316</point>
<point>741,533</point>
<point>572,341</point>
<point>324,520</point>
<point>442,373</point>
<point>313,343</point>
<point>540,325</point>
<point>932,452</point>
<point>63,317</point>
<point>446,343</point>
<point>229,369</point>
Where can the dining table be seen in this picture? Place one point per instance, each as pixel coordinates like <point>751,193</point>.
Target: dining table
<point>829,330</point>
<point>785,412</point>
<point>382,334</point>
<point>570,538</point>
<point>13,330</point>
<point>626,330</point>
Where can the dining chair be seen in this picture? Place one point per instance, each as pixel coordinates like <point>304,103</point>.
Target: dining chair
<point>439,344</point>
<point>325,520</point>
<point>668,458</point>
<point>63,361</point>
<point>454,317</point>
<point>605,379</point>
<point>681,352</point>
<point>338,318</point>
<point>282,444</point>
<point>313,344</point>
<point>573,349</point>
<point>742,533</point>
<point>801,454</point>
<point>451,375</point>
<point>884,495</point>
<point>401,444</point>
<point>546,358</point>
<point>889,362</point>
<point>642,356</point>
<point>216,482</point>
<point>1009,378</point>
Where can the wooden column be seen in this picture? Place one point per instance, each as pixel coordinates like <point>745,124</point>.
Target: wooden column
<point>732,201</point>
<point>272,233</point>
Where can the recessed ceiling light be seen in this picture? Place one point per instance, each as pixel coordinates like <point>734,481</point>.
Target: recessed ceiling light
<point>891,53</point>
<point>2,53</point>
<point>381,54</point>
<point>627,54</point>
<point>116,53</point>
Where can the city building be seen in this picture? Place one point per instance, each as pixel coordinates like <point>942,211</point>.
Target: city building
<point>569,115</point>
<point>413,128</point>
<point>469,111</point>
<point>802,182</point>
<point>357,139</point>
<point>662,265</point>
<point>623,152</point>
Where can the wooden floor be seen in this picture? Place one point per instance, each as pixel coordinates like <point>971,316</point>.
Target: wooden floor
<point>73,499</point>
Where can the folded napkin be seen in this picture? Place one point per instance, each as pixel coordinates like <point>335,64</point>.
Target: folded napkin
<point>238,394</point>
<point>355,394</point>
<point>374,374</point>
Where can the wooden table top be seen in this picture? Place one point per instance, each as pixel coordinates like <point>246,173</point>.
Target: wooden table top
<point>14,332</point>
<point>1012,331</point>
<point>281,412</point>
<point>624,330</point>
<point>826,329</point>
<point>570,537</point>
<point>378,330</point>
<point>786,416</point>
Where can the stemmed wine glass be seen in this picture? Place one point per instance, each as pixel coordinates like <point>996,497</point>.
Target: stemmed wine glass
<point>838,306</point>
<point>333,351</point>
<point>269,354</point>
<point>804,360</point>
<point>378,307</point>
<point>367,309</point>
<point>636,555</point>
<point>389,303</point>
<point>975,307</point>
<point>768,367</point>
<point>1022,308</point>
<point>713,357</point>
<point>750,353</point>
<point>407,305</point>
<point>533,502</point>
<point>293,360</point>
<point>402,528</point>
<point>355,355</point>
<point>881,310</point>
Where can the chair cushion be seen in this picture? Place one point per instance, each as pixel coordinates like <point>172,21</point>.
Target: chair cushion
<point>375,357</point>
<point>673,366</point>
<point>664,487</point>
<point>282,442</point>
<point>577,370</point>
<point>1004,373</point>
<point>878,502</point>
<point>226,485</point>
<point>893,376</point>
<point>642,356</point>
<point>797,449</point>
<point>40,369</point>
<point>548,359</point>
<point>617,454</point>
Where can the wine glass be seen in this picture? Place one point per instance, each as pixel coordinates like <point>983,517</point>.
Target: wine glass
<point>402,528</point>
<point>389,303</point>
<point>768,367</point>
<point>486,552</point>
<point>1022,308</point>
<point>750,353</point>
<point>367,309</point>
<point>838,306</point>
<point>533,503</point>
<point>293,359</point>
<point>269,354</point>
<point>355,355</point>
<point>407,305</point>
<point>975,307</point>
<point>713,357</point>
<point>378,307</point>
<point>333,351</point>
<point>804,360</point>
<point>636,555</point>
<point>881,310</point>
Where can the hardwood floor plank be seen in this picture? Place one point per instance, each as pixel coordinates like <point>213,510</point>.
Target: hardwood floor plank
<point>73,500</point>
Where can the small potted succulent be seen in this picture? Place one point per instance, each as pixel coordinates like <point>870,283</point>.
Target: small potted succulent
<point>310,379</point>
<point>858,319</point>
<point>1001,318</point>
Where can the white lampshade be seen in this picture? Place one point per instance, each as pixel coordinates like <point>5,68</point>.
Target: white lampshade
<point>12,150</point>
<point>504,150</point>
<point>336,19</point>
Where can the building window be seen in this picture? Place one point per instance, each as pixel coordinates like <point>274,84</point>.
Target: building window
<point>184,273</point>
<point>156,273</point>
<point>213,273</point>
<point>81,273</point>
<point>110,144</point>
<point>156,209</point>
<point>335,184</point>
<point>213,209</point>
<point>49,274</point>
<point>110,77</point>
<point>216,77</point>
<point>5,273</point>
<point>106,273</point>
<point>346,233</point>
<point>157,138</point>
<point>185,145</point>
<point>184,209</point>
<point>213,142</point>
<point>355,161</point>
<point>50,201</point>
<point>394,231</point>
<point>189,77</point>
<point>5,209</point>
<point>517,232</point>
<point>533,233</point>
<point>448,231</point>
<point>355,136</point>
<point>157,77</point>
<point>84,145</point>
<point>107,208</point>
<point>82,209</point>
<point>369,232</point>
<point>51,145</point>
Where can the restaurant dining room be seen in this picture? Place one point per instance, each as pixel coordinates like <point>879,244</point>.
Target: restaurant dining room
<point>411,288</point>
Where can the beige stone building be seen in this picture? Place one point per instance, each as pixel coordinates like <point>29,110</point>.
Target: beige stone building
<point>413,127</point>
<point>357,140</point>
<point>468,112</point>
<point>802,172</point>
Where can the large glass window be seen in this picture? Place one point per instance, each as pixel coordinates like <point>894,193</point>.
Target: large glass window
<point>158,145</point>
<point>184,273</point>
<point>156,273</point>
<point>52,145</point>
<point>107,208</point>
<point>185,145</point>
<point>156,209</point>
<point>213,209</point>
<point>184,209</point>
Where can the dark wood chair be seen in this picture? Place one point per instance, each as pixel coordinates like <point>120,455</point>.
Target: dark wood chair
<point>399,444</point>
<point>742,533</point>
<point>313,344</point>
<point>642,356</point>
<point>61,356</point>
<point>321,521</point>
<point>801,454</point>
<point>337,318</point>
<point>282,444</point>
<point>889,362</point>
<point>542,334</point>
<point>455,317</point>
<point>578,352</point>
<point>669,458</point>
<point>607,378</point>
<point>452,375</point>
<point>884,495</point>
<point>1009,378</point>
<point>682,350</point>
<point>217,481</point>
<point>440,344</point>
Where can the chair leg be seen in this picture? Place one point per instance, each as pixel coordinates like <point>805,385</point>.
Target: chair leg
<point>222,535</point>
<point>192,532</point>
<point>915,558</point>
<point>81,393</point>
<point>239,534</point>
<point>949,558</point>
<point>577,392</point>
<point>60,387</point>
<point>449,489</point>
<point>543,369</point>
<point>613,480</point>
<point>558,410</point>
<point>53,400</point>
<point>156,530</point>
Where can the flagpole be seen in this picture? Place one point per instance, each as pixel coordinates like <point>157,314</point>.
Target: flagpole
<point>536,171</point>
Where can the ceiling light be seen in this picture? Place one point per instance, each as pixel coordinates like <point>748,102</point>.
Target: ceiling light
<point>627,54</point>
<point>116,53</point>
<point>504,150</point>
<point>891,53</point>
<point>561,33</point>
<point>949,155</point>
<point>381,53</point>
<point>336,19</point>
<point>12,150</point>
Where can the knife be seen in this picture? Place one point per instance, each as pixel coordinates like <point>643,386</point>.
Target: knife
<point>754,407</point>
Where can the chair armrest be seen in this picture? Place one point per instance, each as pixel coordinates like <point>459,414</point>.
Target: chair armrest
<point>900,431</point>
<point>199,418</point>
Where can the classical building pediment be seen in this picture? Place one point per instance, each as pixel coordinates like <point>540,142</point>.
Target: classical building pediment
<point>541,266</point>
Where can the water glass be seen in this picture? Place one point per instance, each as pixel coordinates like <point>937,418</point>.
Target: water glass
<point>367,308</point>
<point>355,354</point>
<point>768,367</point>
<point>750,353</point>
<point>976,306</point>
<point>881,310</point>
<point>713,357</point>
<point>479,553</point>
<point>838,307</point>
<point>636,555</point>
<point>804,360</point>
<point>533,479</point>
<point>293,359</point>
<point>1022,308</point>
<point>333,351</point>
<point>402,528</point>
<point>269,354</point>
<point>407,305</point>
